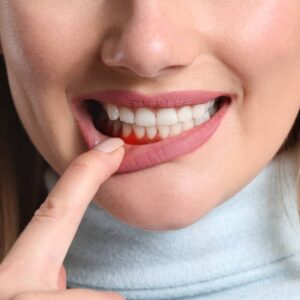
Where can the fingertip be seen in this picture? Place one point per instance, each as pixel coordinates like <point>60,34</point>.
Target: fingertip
<point>109,145</point>
<point>113,147</point>
<point>113,159</point>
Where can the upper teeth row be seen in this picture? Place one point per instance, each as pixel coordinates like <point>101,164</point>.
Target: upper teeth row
<point>166,116</point>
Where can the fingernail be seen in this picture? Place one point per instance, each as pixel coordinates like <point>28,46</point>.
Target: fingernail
<point>109,145</point>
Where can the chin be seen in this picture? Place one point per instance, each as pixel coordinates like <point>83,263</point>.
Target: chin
<point>154,215</point>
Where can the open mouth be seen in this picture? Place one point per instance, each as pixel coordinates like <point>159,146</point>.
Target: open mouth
<point>155,129</point>
<point>140,126</point>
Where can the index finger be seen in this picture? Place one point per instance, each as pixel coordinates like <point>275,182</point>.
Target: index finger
<point>47,238</point>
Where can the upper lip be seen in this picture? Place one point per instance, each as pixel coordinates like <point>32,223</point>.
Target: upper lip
<point>136,99</point>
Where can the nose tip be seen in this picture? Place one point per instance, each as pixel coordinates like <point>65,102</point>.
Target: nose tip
<point>144,59</point>
<point>149,47</point>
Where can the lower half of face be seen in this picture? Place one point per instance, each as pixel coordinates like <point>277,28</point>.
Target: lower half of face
<point>262,75</point>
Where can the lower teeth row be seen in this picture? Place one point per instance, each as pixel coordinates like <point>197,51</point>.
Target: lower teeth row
<point>153,132</point>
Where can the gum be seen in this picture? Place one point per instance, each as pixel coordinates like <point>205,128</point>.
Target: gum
<point>132,139</point>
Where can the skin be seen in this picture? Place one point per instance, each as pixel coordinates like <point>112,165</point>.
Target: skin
<point>33,268</point>
<point>55,50</point>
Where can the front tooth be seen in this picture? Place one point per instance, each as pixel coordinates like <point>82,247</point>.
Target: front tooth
<point>187,125</point>
<point>126,130</point>
<point>166,116</point>
<point>126,115</point>
<point>139,131</point>
<point>151,131</point>
<point>112,111</point>
<point>163,131</point>
<point>199,110</point>
<point>145,117</point>
<point>184,114</point>
<point>175,129</point>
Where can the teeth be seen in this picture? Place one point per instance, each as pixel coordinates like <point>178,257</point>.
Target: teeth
<point>145,117</point>
<point>212,109</point>
<point>187,125</point>
<point>184,114</point>
<point>163,131</point>
<point>198,122</point>
<point>205,117</point>
<point>175,129</point>
<point>139,131</point>
<point>112,111</point>
<point>126,130</point>
<point>161,117</point>
<point>201,120</point>
<point>116,126</point>
<point>126,115</point>
<point>199,110</point>
<point>166,116</point>
<point>151,132</point>
<point>165,122</point>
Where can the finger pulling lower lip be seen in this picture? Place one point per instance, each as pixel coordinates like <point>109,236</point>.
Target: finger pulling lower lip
<point>140,156</point>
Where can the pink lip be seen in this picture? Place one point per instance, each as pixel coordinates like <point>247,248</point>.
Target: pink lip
<point>135,99</point>
<point>139,157</point>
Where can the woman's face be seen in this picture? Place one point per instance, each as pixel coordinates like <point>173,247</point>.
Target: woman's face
<point>59,50</point>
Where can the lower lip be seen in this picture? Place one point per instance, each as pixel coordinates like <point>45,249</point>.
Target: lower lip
<point>138,157</point>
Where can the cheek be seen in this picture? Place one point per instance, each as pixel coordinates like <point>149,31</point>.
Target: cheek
<point>41,58</point>
<point>264,50</point>
<point>269,36</point>
<point>44,46</point>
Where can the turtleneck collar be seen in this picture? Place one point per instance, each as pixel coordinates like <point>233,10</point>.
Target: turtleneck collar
<point>252,238</point>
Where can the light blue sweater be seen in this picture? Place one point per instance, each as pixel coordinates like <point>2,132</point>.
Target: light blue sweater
<point>246,248</point>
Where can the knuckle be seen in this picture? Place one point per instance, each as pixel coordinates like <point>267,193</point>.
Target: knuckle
<point>80,165</point>
<point>48,210</point>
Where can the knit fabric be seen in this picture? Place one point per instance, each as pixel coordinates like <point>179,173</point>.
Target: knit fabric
<point>246,248</point>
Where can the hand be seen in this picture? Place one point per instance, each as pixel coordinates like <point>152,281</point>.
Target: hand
<point>33,269</point>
